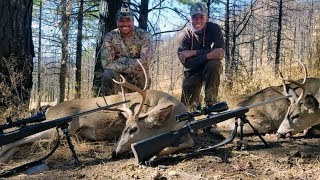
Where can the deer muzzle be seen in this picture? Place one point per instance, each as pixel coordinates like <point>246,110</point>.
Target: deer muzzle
<point>283,135</point>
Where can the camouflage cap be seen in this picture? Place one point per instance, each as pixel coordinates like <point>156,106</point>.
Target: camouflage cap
<point>198,8</point>
<point>124,11</point>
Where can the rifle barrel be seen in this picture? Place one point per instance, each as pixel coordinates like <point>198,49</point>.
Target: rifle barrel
<point>15,135</point>
<point>268,101</point>
<point>147,148</point>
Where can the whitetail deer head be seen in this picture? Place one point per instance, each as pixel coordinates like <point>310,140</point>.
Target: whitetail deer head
<point>303,110</point>
<point>155,114</point>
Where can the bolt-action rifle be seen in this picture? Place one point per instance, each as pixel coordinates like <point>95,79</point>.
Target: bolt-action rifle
<point>28,130</point>
<point>25,130</point>
<point>146,149</point>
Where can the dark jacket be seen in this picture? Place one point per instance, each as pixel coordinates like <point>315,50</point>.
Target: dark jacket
<point>211,37</point>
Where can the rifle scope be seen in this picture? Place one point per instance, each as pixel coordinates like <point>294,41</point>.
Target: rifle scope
<point>218,107</point>
<point>23,122</point>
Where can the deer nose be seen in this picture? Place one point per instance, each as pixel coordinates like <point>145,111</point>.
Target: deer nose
<point>279,136</point>
<point>283,135</point>
<point>115,155</point>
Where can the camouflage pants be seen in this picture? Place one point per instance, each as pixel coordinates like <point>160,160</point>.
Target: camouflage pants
<point>193,82</point>
<point>108,87</point>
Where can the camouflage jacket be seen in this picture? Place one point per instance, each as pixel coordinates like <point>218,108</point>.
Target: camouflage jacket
<point>120,55</point>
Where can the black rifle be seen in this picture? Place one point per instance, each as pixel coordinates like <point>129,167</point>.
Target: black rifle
<point>146,149</point>
<point>24,131</point>
<point>22,122</point>
<point>28,130</point>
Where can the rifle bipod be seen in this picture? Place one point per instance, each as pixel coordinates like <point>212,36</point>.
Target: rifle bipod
<point>240,144</point>
<point>65,130</point>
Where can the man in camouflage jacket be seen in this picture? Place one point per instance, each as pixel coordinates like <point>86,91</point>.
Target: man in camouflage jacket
<point>121,48</point>
<point>200,50</point>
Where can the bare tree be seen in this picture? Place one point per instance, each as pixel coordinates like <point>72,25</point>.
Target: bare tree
<point>16,47</point>
<point>39,55</point>
<point>107,16</point>
<point>278,42</point>
<point>143,17</point>
<point>79,51</point>
<point>66,6</point>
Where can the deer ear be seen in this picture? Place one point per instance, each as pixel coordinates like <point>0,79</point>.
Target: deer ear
<point>293,94</point>
<point>311,103</point>
<point>158,115</point>
<point>122,115</point>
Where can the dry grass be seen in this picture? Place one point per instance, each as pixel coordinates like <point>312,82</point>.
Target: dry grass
<point>287,159</point>
<point>242,83</point>
<point>274,163</point>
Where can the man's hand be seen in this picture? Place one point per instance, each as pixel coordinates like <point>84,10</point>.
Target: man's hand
<point>183,55</point>
<point>216,54</point>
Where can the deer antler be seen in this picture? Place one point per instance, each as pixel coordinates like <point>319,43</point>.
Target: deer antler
<point>124,83</point>
<point>301,85</point>
<point>124,106</point>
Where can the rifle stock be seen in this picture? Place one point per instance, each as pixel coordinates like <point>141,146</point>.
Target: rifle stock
<point>146,149</point>
<point>15,135</point>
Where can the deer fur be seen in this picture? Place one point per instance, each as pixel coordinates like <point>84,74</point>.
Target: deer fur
<point>267,118</point>
<point>149,112</point>
<point>303,112</point>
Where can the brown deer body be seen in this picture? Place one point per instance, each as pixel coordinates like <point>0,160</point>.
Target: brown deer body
<point>154,111</point>
<point>267,118</point>
<point>303,112</point>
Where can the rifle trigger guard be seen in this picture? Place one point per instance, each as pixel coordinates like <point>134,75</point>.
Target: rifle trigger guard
<point>191,130</point>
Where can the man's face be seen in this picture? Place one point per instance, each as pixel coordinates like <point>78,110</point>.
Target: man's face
<point>198,21</point>
<point>125,25</point>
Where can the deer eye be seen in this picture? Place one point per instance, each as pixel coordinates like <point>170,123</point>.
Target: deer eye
<point>143,117</point>
<point>133,130</point>
<point>295,116</point>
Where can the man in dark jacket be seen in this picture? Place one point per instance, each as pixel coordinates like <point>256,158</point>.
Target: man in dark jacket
<point>201,48</point>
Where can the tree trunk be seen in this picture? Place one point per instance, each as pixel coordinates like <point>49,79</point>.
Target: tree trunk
<point>143,17</point>
<point>233,56</point>
<point>108,10</point>
<point>310,30</point>
<point>278,45</point>
<point>261,47</point>
<point>39,56</point>
<point>208,5</point>
<point>16,52</point>
<point>65,26</point>
<point>79,51</point>
<point>252,57</point>
<point>227,46</point>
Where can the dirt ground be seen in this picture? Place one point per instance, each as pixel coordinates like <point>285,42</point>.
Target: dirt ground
<point>295,158</point>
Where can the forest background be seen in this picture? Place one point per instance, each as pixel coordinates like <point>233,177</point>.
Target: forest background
<point>262,37</point>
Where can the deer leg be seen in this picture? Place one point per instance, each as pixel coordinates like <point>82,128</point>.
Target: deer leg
<point>7,151</point>
<point>8,154</point>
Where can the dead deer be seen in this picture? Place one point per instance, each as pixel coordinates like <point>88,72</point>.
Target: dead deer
<point>150,118</point>
<point>267,118</point>
<point>303,112</point>
<point>148,113</point>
